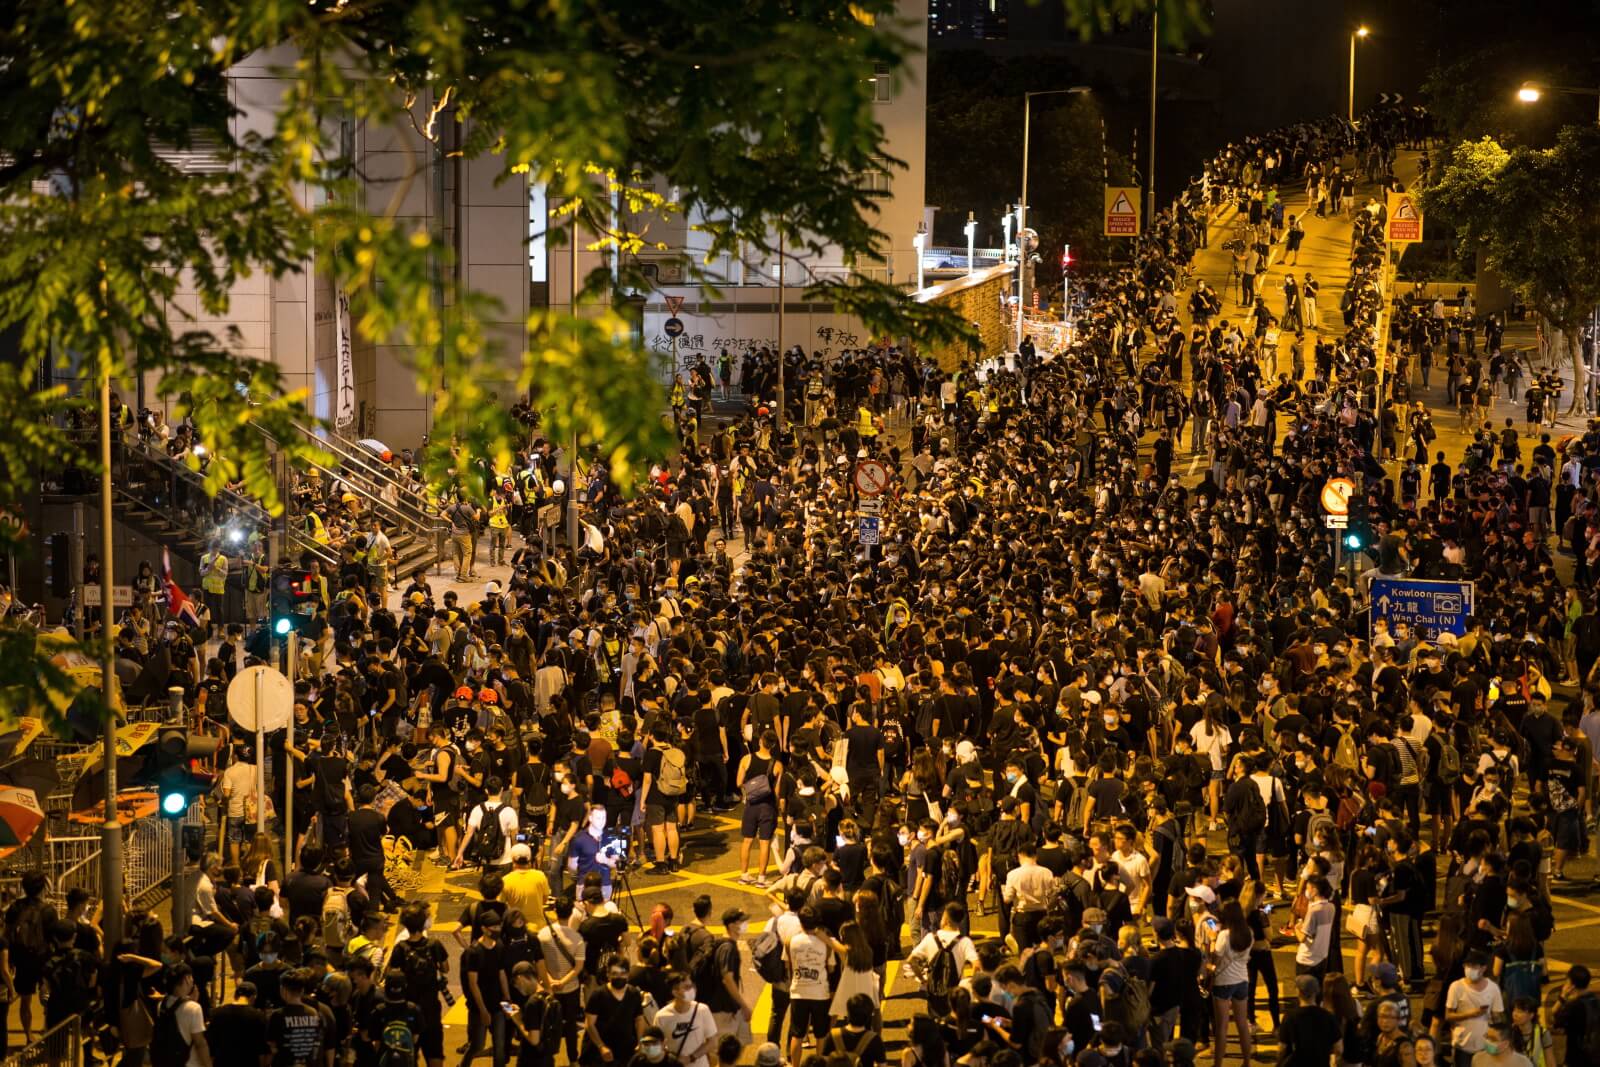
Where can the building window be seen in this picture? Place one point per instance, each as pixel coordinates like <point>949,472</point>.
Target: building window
<point>874,182</point>
<point>882,84</point>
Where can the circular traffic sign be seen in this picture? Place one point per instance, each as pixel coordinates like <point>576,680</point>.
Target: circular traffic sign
<point>872,477</point>
<point>272,697</point>
<point>673,327</point>
<point>1336,494</point>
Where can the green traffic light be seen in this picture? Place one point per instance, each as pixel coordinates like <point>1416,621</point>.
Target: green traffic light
<point>282,627</point>
<point>1352,541</point>
<point>174,804</point>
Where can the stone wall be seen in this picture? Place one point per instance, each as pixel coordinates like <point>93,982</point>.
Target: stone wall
<point>976,298</point>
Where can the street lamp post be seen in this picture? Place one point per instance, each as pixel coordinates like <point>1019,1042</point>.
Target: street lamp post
<point>1531,92</point>
<point>1150,173</point>
<point>1022,205</point>
<point>1350,106</point>
<point>919,242</point>
<point>971,231</point>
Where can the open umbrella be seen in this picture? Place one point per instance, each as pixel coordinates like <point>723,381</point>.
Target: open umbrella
<point>39,775</point>
<point>17,736</point>
<point>20,816</point>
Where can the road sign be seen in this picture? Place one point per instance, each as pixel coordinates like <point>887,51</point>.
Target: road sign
<point>673,327</point>
<point>674,305</point>
<point>870,505</point>
<point>272,696</point>
<point>1336,522</point>
<point>872,477</point>
<point>870,529</point>
<point>1432,608</point>
<point>1336,494</point>
<point>1122,211</point>
<point>121,595</point>
<point>1405,220</point>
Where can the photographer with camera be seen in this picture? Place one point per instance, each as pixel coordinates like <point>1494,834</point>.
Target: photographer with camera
<point>591,851</point>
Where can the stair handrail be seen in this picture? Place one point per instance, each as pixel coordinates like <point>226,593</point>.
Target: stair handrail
<point>356,462</point>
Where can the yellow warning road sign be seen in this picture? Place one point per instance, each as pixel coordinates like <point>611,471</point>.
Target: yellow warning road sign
<point>1122,211</point>
<point>1405,220</point>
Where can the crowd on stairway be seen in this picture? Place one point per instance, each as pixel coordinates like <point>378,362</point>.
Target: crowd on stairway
<point>1139,717</point>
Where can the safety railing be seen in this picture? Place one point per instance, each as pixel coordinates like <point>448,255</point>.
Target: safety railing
<point>59,1046</point>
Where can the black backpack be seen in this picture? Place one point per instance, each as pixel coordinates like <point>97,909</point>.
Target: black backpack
<point>167,1046</point>
<point>1252,817</point>
<point>489,839</point>
<point>944,972</point>
<point>420,968</point>
<point>952,878</point>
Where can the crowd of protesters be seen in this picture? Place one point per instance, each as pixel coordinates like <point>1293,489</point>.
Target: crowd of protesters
<point>1064,679</point>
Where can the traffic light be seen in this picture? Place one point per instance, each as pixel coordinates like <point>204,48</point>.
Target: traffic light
<point>1358,532</point>
<point>168,769</point>
<point>293,600</point>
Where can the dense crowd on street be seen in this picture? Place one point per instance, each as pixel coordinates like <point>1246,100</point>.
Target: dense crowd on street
<point>1066,676</point>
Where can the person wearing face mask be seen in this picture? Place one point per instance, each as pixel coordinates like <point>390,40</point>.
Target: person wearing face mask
<point>653,1050</point>
<point>690,1031</point>
<point>1470,1003</point>
<point>1498,1049</point>
<point>613,1018</point>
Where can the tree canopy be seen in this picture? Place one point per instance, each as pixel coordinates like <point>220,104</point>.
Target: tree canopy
<point>1533,214</point>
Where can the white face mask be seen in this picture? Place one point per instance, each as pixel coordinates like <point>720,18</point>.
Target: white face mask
<point>1473,973</point>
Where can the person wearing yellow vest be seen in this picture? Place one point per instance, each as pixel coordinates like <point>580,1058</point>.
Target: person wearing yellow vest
<point>256,579</point>
<point>499,530</point>
<point>315,529</point>
<point>867,424</point>
<point>214,582</point>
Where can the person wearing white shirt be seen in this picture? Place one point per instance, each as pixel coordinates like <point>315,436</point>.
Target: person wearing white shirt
<point>947,938</point>
<point>1027,893</point>
<point>492,807</point>
<point>1316,930</point>
<point>1135,867</point>
<point>809,955</point>
<point>687,1024</point>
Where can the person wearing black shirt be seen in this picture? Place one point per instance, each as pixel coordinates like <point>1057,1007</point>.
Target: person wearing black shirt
<point>709,739</point>
<point>613,1017</point>
<point>239,1025</point>
<point>537,1021</point>
<point>307,888</point>
<point>483,983</point>
<point>1310,1034</point>
<point>367,830</point>
<point>864,758</point>
<point>299,1033</point>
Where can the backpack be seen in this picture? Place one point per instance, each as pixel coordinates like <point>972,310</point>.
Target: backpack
<point>766,953</point>
<point>1544,919</point>
<point>489,839</point>
<point>682,952</point>
<point>703,964</point>
<point>621,781</point>
<point>952,880</point>
<point>944,973</point>
<point>398,1045</point>
<point>1449,771</point>
<point>412,958</point>
<point>27,932</point>
<point>1344,751</point>
<point>674,773</point>
<point>167,1045</point>
<point>1503,764</point>
<point>836,1038</point>
<point>1131,1007</point>
<point>69,982</point>
<point>892,901</point>
<point>1252,817</point>
<point>337,929</point>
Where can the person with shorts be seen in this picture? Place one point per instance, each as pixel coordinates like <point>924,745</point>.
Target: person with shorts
<point>27,920</point>
<point>422,961</point>
<point>758,778</point>
<point>660,809</point>
<point>808,954</point>
<point>1230,981</point>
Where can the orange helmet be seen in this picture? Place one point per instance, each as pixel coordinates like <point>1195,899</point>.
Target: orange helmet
<point>488,696</point>
<point>464,693</point>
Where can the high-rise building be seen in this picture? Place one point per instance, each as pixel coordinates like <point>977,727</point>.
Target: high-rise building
<point>974,20</point>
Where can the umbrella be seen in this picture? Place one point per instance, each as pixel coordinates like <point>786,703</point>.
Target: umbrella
<point>20,816</point>
<point>35,774</point>
<point>16,737</point>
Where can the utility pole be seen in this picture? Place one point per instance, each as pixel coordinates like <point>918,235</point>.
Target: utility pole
<point>777,422</point>
<point>572,458</point>
<point>1150,170</point>
<point>111,829</point>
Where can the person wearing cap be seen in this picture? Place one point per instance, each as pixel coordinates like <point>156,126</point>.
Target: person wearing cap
<point>729,1004</point>
<point>1310,1035</point>
<point>526,888</point>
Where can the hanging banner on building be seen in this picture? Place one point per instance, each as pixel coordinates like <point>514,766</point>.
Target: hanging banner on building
<point>1122,211</point>
<point>1405,220</point>
<point>345,400</point>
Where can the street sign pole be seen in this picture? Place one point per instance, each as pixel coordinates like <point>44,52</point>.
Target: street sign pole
<point>291,654</point>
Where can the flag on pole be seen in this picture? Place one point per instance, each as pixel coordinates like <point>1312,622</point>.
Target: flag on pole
<point>179,603</point>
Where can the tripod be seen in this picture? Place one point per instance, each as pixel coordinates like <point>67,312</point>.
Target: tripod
<point>620,884</point>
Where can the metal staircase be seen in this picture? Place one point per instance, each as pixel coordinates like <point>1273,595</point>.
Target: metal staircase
<point>163,499</point>
<point>415,531</point>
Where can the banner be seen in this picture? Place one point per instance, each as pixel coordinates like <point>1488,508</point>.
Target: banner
<point>1122,211</point>
<point>345,400</point>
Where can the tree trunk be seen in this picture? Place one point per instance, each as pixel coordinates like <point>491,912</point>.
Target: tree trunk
<point>1580,371</point>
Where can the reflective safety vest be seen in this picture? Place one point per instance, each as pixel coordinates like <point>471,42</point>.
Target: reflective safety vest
<point>677,395</point>
<point>216,579</point>
<point>865,422</point>
<point>314,527</point>
<point>497,517</point>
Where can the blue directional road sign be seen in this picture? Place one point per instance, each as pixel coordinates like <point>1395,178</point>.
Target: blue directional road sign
<point>1432,608</point>
<point>870,529</point>
<point>673,327</point>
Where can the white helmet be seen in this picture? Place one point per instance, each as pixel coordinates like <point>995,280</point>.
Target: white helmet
<point>558,487</point>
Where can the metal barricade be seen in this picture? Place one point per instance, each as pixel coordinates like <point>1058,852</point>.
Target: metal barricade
<point>147,858</point>
<point>59,1046</point>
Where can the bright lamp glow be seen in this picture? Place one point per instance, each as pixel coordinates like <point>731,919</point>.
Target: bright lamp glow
<point>1352,541</point>
<point>1529,94</point>
<point>173,803</point>
<point>1362,31</point>
<point>281,627</point>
